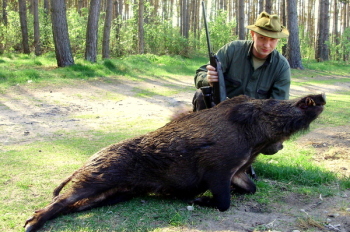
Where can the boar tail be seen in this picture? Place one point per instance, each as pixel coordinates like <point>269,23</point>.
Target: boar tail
<point>61,186</point>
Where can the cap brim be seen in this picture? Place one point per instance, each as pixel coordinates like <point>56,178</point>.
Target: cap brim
<point>272,34</point>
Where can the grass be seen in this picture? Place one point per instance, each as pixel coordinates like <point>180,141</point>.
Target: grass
<point>20,69</point>
<point>29,172</point>
<point>295,165</point>
<point>314,69</point>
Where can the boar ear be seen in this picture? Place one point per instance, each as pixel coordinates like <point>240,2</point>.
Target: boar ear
<point>245,113</point>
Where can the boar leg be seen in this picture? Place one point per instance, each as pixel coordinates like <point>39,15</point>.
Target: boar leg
<point>110,197</point>
<point>50,211</point>
<point>241,183</point>
<point>221,194</point>
<point>76,199</point>
<point>59,204</point>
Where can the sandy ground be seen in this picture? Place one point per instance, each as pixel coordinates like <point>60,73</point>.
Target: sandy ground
<point>33,112</point>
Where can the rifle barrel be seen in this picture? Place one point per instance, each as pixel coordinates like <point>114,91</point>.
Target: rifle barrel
<point>207,30</point>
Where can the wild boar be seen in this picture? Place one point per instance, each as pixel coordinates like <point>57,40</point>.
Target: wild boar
<point>205,150</point>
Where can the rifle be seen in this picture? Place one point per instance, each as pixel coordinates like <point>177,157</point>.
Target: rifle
<point>217,93</point>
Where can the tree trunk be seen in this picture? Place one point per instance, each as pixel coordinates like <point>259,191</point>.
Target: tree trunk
<point>107,29</point>
<point>80,5</point>
<point>4,12</point>
<point>45,35</point>
<point>60,33</point>
<point>4,21</point>
<point>322,49</point>
<point>46,7</point>
<point>261,6</point>
<point>293,50</point>
<point>24,27</point>
<point>236,16</point>
<point>335,29</point>
<point>118,8</point>
<point>241,28</point>
<point>310,27</point>
<point>345,23</point>
<point>37,45</point>
<point>284,22</point>
<point>141,41</point>
<point>195,9</point>
<point>184,18</point>
<point>268,6</point>
<point>335,21</point>
<point>92,31</point>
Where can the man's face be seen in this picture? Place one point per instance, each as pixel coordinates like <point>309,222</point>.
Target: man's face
<point>263,45</point>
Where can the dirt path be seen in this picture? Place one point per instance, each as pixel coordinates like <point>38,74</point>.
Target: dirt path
<point>31,113</point>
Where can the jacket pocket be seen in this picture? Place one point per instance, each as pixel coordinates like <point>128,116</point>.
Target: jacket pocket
<point>263,94</point>
<point>234,83</point>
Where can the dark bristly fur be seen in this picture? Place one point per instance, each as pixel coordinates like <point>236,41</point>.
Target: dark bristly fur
<point>206,150</point>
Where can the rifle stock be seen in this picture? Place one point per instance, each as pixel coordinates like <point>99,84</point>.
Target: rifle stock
<point>219,89</point>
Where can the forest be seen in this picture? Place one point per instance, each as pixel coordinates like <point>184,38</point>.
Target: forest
<point>319,29</point>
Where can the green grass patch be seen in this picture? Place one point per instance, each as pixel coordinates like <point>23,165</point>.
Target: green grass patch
<point>337,110</point>
<point>314,69</point>
<point>19,69</point>
<point>148,93</point>
<point>295,165</point>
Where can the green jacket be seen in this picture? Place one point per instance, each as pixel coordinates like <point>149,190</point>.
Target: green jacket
<point>271,80</point>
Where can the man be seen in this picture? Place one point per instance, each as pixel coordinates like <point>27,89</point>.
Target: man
<point>253,68</point>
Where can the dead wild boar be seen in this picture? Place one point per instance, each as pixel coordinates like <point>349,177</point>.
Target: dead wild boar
<point>205,150</point>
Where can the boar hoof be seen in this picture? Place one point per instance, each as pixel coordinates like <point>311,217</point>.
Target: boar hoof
<point>31,225</point>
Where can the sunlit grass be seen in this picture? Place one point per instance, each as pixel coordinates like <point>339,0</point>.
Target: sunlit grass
<point>18,69</point>
<point>337,110</point>
<point>155,91</point>
<point>314,69</point>
<point>295,165</point>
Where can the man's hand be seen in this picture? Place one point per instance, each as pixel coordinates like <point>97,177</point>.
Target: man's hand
<point>212,75</point>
